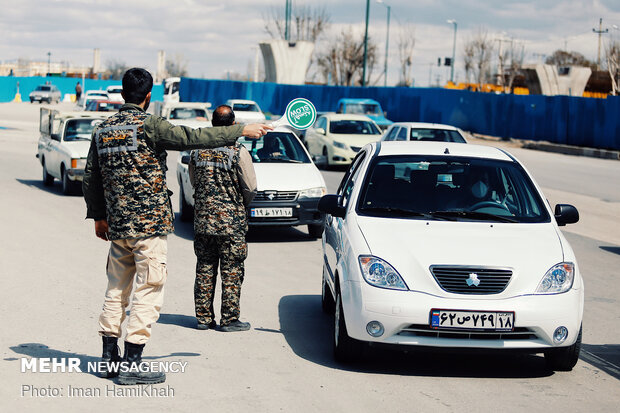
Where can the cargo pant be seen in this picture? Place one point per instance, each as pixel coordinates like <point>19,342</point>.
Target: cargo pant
<point>142,260</point>
<point>229,253</point>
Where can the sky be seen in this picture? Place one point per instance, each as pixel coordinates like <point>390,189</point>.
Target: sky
<point>216,37</point>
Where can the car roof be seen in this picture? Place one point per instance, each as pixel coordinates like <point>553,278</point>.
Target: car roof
<point>346,116</point>
<point>76,115</point>
<point>355,100</point>
<point>241,101</point>
<point>439,148</point>
<point>425,125</point>
<point>175,105</point>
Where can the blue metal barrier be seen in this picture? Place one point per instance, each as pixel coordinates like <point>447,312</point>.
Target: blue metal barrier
<point>560,119</point>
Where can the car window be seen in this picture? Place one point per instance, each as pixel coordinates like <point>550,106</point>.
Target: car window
<point>276,147</point>
<point>462,188</point>
<point>353,127</point>
<point>392,133</point>
<point>80,129</point>
<point>321,123</point>
<point>402,134</point>
<point>436,135</point>
<point>115,90</point>
<point>43,88</point>
<point>188,113</point>
<point>363,108</point>
<point>246,107</point>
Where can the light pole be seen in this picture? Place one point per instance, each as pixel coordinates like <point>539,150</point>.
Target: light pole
<point>387,41</point>
<point>600,31</point>
<point>365,44</point>
<point>49,62</point>
<point>452,21</point>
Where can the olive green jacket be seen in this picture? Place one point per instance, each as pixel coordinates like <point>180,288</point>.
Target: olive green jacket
<point>159,135</point>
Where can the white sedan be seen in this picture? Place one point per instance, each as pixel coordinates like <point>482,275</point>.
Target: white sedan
<point>421,131</point>
<point>246,111</point>
<point>449,245</point>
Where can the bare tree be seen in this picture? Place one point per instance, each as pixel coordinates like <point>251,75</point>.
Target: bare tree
<point>510,63</point>
<point>478,52</point>
<point>565,58</point>
<point>115,69</point>
<point>307,23</point>
<point>343,60</point>
<point>406,44</point>
<point>612,52</point>
<point>176,67</point>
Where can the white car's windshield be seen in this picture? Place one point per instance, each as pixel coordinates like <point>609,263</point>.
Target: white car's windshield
<point>44,88</point>
<point>363,108</point>
<point>80,129</point>
<point>450,188</point>
<point>245,107</point>
<point>435,135</point>
<point>278,147</point>
<point>353,127</point>
<point>188,113</point>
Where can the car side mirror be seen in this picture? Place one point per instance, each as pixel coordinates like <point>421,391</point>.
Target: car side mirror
<point>330,204</point>
<point>55,136</point>
<point>566,214</point>
<point>320,131</point>
<point>185,159</point>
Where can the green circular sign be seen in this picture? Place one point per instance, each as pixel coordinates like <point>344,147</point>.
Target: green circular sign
<point>300,113</point>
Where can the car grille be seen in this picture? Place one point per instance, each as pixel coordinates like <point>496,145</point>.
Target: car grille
<point>356,148</point>
<point>421,330</point>
<point>471,280</point>
<point>269,196</point>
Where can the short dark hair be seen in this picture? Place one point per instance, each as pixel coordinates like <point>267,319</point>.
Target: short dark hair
<point>137,83</point>
<point>223,115</point>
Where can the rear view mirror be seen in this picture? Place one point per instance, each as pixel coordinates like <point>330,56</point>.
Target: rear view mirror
<point>330,204</point>
<point>566,214</point>
<point>55,137</point>
<point>320,131</point>
<point>185,159</point>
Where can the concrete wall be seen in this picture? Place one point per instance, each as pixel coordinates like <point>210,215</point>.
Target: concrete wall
<point>285,62</point>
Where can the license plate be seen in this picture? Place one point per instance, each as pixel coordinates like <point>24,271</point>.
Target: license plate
<point>472,320</point>
<point>271,212</point>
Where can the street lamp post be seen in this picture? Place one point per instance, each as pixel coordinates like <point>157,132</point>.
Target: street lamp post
<point>387,41</point>
<point>365,44</point>
<point>49,62</point>
<point>452,21</point>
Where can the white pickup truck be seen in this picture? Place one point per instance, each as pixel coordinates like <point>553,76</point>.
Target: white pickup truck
<point>63,146</point>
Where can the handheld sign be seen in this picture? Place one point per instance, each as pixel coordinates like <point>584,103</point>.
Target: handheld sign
<point>300,114</point>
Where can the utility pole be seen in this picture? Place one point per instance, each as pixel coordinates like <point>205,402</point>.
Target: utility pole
<point>49,62</point>
<point>365,44</point>
<point>600,32</point>
<point>452,21</point>
<point>387,41</point>
<point>287,18</point>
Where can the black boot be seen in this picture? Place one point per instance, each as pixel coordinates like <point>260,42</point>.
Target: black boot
<point>134,371</point>
<point>111,357</point>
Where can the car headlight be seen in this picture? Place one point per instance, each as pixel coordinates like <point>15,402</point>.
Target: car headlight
<point>558,279</point>
<point>379,273</point>
<point>340,145</point>
<point>313,192</point>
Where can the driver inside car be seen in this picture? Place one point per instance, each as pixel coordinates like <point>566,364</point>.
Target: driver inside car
<point>272,148</point>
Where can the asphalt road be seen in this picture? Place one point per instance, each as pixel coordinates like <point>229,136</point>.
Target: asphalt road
<point>53,272</point>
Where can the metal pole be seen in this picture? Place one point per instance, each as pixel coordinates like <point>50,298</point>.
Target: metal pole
<point>387,43</point>
<point>286,20</point>
<point>49,64</point>
<point>600,31</point>
<point>365,44</point>
<point>453,54</point>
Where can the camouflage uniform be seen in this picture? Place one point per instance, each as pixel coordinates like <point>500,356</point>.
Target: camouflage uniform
<point>125,183</point>
<point>220,225</point>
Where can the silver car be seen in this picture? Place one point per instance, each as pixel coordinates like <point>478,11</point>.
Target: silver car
<point>45,93</point>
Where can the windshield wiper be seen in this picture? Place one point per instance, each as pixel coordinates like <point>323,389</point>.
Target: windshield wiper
<point>406,212</point>
<point>481,216</point>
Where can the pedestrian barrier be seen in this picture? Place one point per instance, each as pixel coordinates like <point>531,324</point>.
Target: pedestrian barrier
<point>559,119</point>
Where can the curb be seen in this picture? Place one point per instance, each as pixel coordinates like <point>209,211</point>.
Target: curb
<point>556,147</point>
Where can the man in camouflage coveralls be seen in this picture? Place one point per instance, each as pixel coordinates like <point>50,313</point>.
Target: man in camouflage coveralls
<point>225,184</point>
<point>126,194</point>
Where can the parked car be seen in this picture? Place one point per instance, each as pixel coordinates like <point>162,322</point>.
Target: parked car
<point>336,138</point>
<point>367,107</point>
<point>114,93</point>
<point>246,111</point>
<point>289,184</point>
<point>171,89</point>
<point>63,146</point>
<point>45,93</point>
<point>418,131</point>
<point>461,252</point>
<point>91,95</point>
<point>103,106</point>
<point>192,114</point>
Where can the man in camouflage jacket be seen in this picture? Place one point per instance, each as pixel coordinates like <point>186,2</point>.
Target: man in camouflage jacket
<point>126,194</point>
<point>224,185</point>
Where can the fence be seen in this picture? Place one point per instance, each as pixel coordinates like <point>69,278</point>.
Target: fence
<point>560,119</point>
<point>8,86</point>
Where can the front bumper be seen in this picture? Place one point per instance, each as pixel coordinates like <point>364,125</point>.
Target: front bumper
<point>305,211</point>
<point>75,174</point>
<point>405,316</point>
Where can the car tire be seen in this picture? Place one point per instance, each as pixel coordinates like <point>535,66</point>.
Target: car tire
<point>48,180</point>
<point>326,164</point>
<point>68,186</point>
<point>346,349</point>
<point>186,210</point>
<point>564,358</point>
<point>31,100</point>
<point>327,299</point>
<point>315,230</point>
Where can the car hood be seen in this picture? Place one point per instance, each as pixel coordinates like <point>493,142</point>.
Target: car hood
<point>77,149</point>
<point>355,140</point>
<point>412,246</point>
<point>287,176</point>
